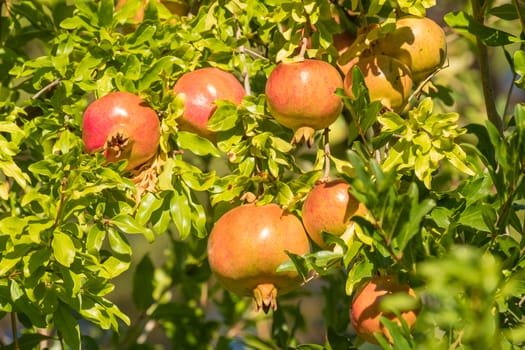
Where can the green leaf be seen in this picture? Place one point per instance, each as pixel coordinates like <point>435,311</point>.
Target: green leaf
<point>63,248</point>
<point>464,23</point>
<point>12,226</point>
<point>149,203</point>
<point>105,12</point>
<point>181,213</point>
<point>506,11</point>
<point>519,67</point>
<point>115,266</point>
<point>118,242</point>
<point>143,278</point>
<point>296,263</point>
<point>27,341</point>
<point>473,215</point>
<point>362,269</point>
<point>68,326</point>
<point>163,65</point>
<point>129,225</point>
<point>196,144</point>
<point>95,238</point>
<point>225,116</point>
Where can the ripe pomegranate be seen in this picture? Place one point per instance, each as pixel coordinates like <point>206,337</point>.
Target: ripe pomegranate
<point>419,42</point>
<point>301,96</point>
<point>366,307</point>
<point>388,80</point>
<point>122,126</point>
<point>248,243</point>
<point>200,89</point>
<point>329,207</point>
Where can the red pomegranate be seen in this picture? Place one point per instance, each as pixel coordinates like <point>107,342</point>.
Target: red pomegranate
<point>418,42</point>
<point>388,80</point>
<point>248,243</point>
<point>366,310</point>
<point>200,89</point>
<point>329,207</point>
<point>122,126</point>
<point>301,96</point>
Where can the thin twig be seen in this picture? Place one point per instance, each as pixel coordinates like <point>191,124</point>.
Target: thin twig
<point>14,330</point>
<point>254,54</point>
<point>420,87</point>
<point>46,88</point>
<point>327,153</point>
<point>520,15</point>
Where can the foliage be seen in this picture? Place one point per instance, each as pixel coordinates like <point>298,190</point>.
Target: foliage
<point>443,181</point>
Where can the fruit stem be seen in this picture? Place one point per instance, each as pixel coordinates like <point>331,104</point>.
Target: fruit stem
<point>304,44</point>
<point>265,297</point>
<point>327,153</point>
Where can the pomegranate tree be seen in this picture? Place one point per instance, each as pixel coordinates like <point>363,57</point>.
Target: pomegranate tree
<point>248,243</point>
<point>419,42</point>
<point>200,89</point>
<point>329,207</point>
<point>122,126</point>
<point>366,309</point>
<point>301,96</point>
<point>388,80</point>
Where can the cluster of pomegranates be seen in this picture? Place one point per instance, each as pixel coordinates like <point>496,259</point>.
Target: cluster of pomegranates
<point>123,126</point>
<point>249,242</point>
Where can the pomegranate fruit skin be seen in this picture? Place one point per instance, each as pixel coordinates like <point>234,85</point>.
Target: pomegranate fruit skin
<point>248,243</point>
<point>365,309</point>
<point>419,42</point>
<point>200,89</point>
<point>122,126</point>
<point>329,207</point>
<point>301,96</point>
<point>388,80</point>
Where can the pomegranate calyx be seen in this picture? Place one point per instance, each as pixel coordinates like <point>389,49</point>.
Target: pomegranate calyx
<point>265,297</point>
<point>117,144</point>
<point>304,133</point>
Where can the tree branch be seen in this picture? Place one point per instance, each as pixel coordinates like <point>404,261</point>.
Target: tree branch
<point>488,89</point>
<point>326,135</point>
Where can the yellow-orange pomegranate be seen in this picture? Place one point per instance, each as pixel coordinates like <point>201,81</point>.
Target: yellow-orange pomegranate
<point>366,310</point>
<point>329,207</point>
<point>248,243</point>
<point>418,42</point>
<point>388,80</point>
